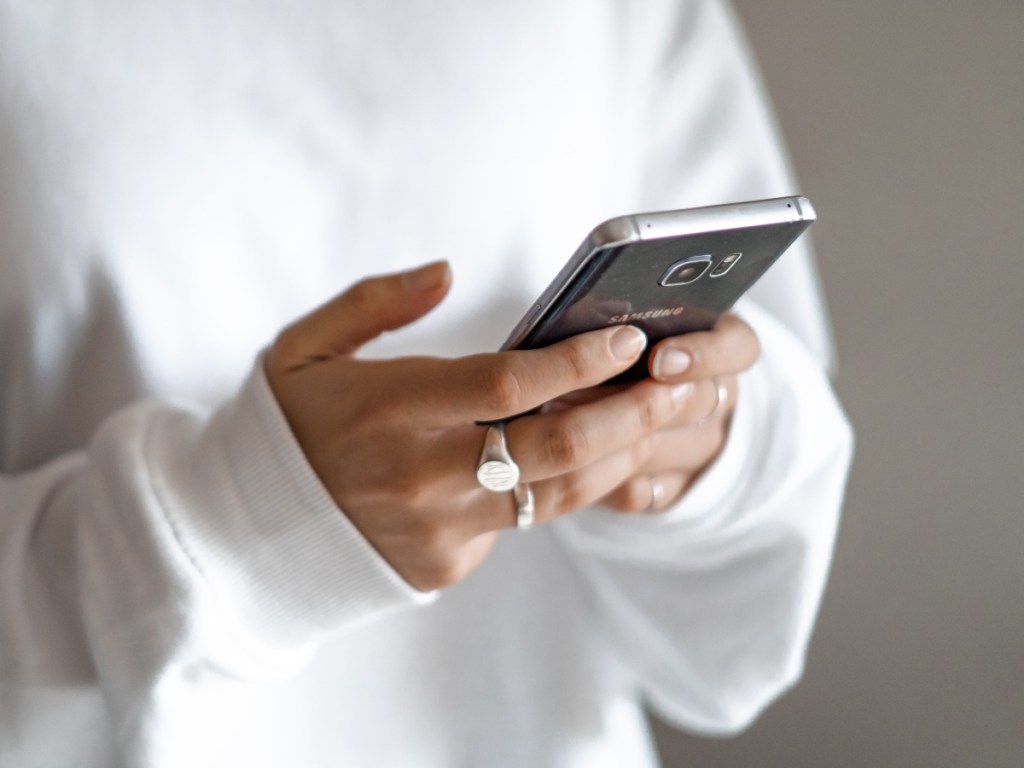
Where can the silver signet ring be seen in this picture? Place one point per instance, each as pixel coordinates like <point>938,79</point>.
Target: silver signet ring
<point>496,471</point>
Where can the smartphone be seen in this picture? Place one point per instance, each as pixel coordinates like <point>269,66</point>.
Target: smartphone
<point>668,272</point>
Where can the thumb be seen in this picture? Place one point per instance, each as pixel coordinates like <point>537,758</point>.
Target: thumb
<point>362,313</point>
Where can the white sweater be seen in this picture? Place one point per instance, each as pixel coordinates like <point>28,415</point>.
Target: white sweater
<point>180,179</point>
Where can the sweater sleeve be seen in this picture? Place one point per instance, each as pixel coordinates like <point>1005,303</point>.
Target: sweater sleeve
<point>711,604</point>
<point>177,545</point>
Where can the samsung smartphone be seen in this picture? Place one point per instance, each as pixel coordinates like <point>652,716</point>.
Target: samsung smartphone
<point>669,273</point>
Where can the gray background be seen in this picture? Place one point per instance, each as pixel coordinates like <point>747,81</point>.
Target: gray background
<point>906,123</point>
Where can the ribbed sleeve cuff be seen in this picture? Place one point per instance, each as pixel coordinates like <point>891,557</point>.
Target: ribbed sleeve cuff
<point>265,534</point>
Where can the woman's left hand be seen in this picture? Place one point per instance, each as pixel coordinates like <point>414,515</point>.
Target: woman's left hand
<point>671,459</point>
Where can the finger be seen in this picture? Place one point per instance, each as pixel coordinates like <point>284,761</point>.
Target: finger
<point>730,347</point>
<point>676,457</point>
<point>713,402</point>
<point>588,451</point>
<point>612,481</point>
<point>554,496</point>
<point>684,449</point>
<point>564,439</point>
<point>721,401</point>
<point>363,312</point>
<point>648,494</point>
<point>499,385</point>
<point>550,444</point>
<point>581,397</point>
<point>564,494</point>
<point>676,454</point>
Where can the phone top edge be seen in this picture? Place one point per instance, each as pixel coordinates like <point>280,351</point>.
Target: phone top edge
<point>624,230</point>
<point>807,211</point>
<point>621,229</point>
<point>716,218</point>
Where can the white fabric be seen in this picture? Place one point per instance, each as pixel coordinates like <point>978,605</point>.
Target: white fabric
<point>177,181</point>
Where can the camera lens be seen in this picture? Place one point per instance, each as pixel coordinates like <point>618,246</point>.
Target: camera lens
<point>685,271</point>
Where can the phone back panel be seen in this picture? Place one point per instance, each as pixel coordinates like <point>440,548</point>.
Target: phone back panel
<point>622,283</point>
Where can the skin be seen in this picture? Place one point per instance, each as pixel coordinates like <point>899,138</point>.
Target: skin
<point>396,442</point>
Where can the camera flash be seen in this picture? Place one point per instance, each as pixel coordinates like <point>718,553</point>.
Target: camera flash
<point>726,264</point>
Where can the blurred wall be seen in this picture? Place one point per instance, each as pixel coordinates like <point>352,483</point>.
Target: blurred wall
<point>906,124</point>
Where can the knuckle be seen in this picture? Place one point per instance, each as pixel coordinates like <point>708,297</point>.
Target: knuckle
<point>567,446</point>
<point>502,388</point>
<point>285,352</point>
<point>649,411</point>
<point>576,359</point>
<point>641,452</point>
<point>362,296</point>
<point>409,491</point>
<point>413,484</point>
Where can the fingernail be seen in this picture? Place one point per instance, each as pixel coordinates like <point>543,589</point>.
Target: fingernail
<point>426,278</point>
<point>627,342</point>
<point>670,362</point>
<point>682,391</point>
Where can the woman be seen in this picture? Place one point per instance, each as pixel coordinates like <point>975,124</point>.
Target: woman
<point>211,560</point>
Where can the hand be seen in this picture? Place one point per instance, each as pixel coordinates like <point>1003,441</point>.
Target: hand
<point>682,450</point>
<point>396,442</point>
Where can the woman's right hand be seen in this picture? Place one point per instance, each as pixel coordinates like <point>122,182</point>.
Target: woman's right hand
<point>396,442</point>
